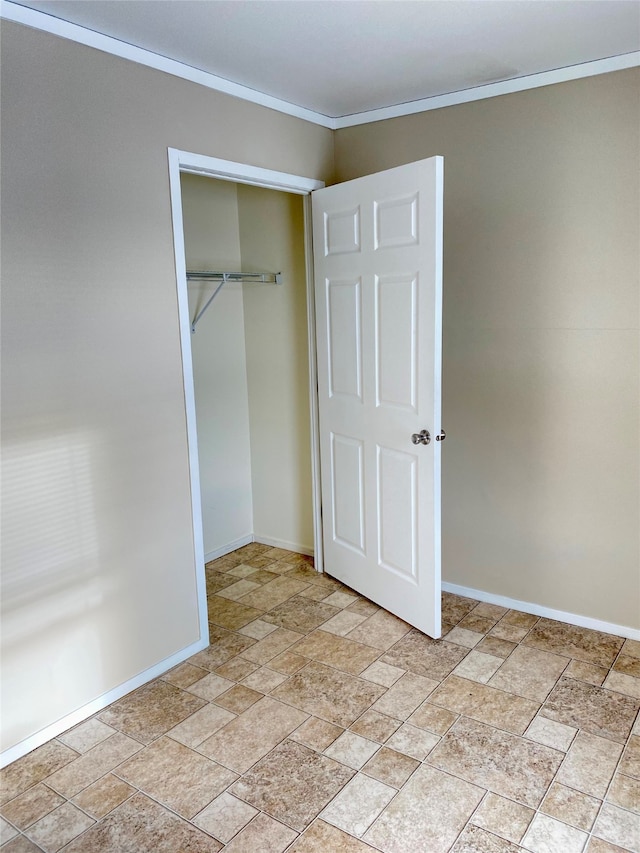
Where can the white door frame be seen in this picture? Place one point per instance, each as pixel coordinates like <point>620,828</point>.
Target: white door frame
<point>240,173</point>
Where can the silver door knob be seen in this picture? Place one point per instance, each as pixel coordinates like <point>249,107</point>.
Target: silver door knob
<point>422,437</point>
<point>441,436</point>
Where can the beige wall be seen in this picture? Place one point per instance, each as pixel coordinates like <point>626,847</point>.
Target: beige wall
<point>272,238</point>
<point>212,241</point>
<point>98,560</point>
<point>541,359</point>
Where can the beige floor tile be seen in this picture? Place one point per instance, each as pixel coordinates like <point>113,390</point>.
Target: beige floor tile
<point>570,806</point>
<point>463,637</point>
<point>225,817</point>
<point>486,704</point>
<point>478,624</point>
<point>201,725</point>
<point>271,646</point>
<point>287,663</point>
<point>592,709</point>
<point>489,611</point>
<point>343,622</point>
<point>33,768</point>
<point>590,764</point>
<point>7,832</point>
<point>29,807</point>
<point>324,692</point>
<point>86,735</point>
<point>597,845</point>
<point>632,648</point>
<point>623,683</point>
<point>236,590</point>
<point>530,673</point>
<point>391,767</point>
<point>513,767</point>
<point>242,571</point>
<point>627,664</point>
<point>588,672</point>
<point>380,630</point>
<point>375,726</point>
<point>382,673</point>
<point>176,776</point>
<point>631,759</point>
<point>358,804</point>
<point>510,633</point>
<point>224,647</point>
<point>433,718</point>
<point>495,646</point>
<point>231,615</point>
<point>236,669</point>
<point>21,844</point>
<point>315,592</point>
<point>264,679</point>
<point>262,835</point>
<point>151,711</point>
<point>503,817</point>
<point>252,735</point>
<point>572,641</point>
<point>238,698</point>
<point>352,750</point>
<point>292,784</point>
<point>301,614</point>
<point>103,796</point>
<point>341,599</point>
<point>364,607</point>
<point>547,835</point>
<point>321,837</point>
<point>59,827</point>
<point>274,593</point>
<point>258,629</point>
<point>427,814</point>
<point>624,792</point>
<point>72,778</point>
<point>402,699</point>
<point>210,686</point>
<point>455,608</point>
<point>478,666</point>
<point>316,733</point>
<point>184,675</point>
<point>476,840</point>
<point>619,826</point>
<point>339,652</point>
<point>550,733</point>
<point>412,741</point>
<point>143,826</point>
<point>423,656</point>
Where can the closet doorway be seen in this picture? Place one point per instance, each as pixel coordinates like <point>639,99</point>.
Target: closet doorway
<point>250,355</point>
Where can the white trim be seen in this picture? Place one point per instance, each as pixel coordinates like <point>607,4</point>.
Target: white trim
<point>242,173</point>
<point>547,612</point>
<point>107,44</point>
<point>494,90</point>
<point>189,390</point>
<point>287,546</point>
<point>313,390</point>
<point>228,548</point>
<point>56,26</point>
<point>70,720</point>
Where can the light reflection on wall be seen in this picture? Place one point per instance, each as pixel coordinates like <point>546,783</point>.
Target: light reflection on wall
<point>49,573</point>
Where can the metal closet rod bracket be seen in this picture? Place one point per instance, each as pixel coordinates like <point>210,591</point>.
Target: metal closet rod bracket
<point>223,278</point>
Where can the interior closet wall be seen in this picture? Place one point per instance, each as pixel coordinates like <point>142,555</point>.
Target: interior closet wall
<point>212,241</point>
<point>250,366</point>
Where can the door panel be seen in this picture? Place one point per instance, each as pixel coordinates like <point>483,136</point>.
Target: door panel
<point>378,283</point>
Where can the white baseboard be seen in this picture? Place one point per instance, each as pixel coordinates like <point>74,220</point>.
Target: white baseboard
<point>70,720</point>
<point>228,548</point>
<point>548,612</point>
<point>287,546</point>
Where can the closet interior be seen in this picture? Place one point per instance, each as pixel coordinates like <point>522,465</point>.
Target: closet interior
<point>244,248</point>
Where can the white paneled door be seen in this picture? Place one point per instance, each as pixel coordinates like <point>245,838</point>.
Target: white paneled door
<point>378,285</point>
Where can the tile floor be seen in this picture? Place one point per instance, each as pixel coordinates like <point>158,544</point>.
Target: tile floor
<point>316,722</point>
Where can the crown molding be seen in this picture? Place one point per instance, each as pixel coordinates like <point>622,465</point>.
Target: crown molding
<point>12,11</point>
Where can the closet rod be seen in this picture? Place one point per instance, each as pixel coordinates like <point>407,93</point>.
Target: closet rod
<point>223,278</point>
